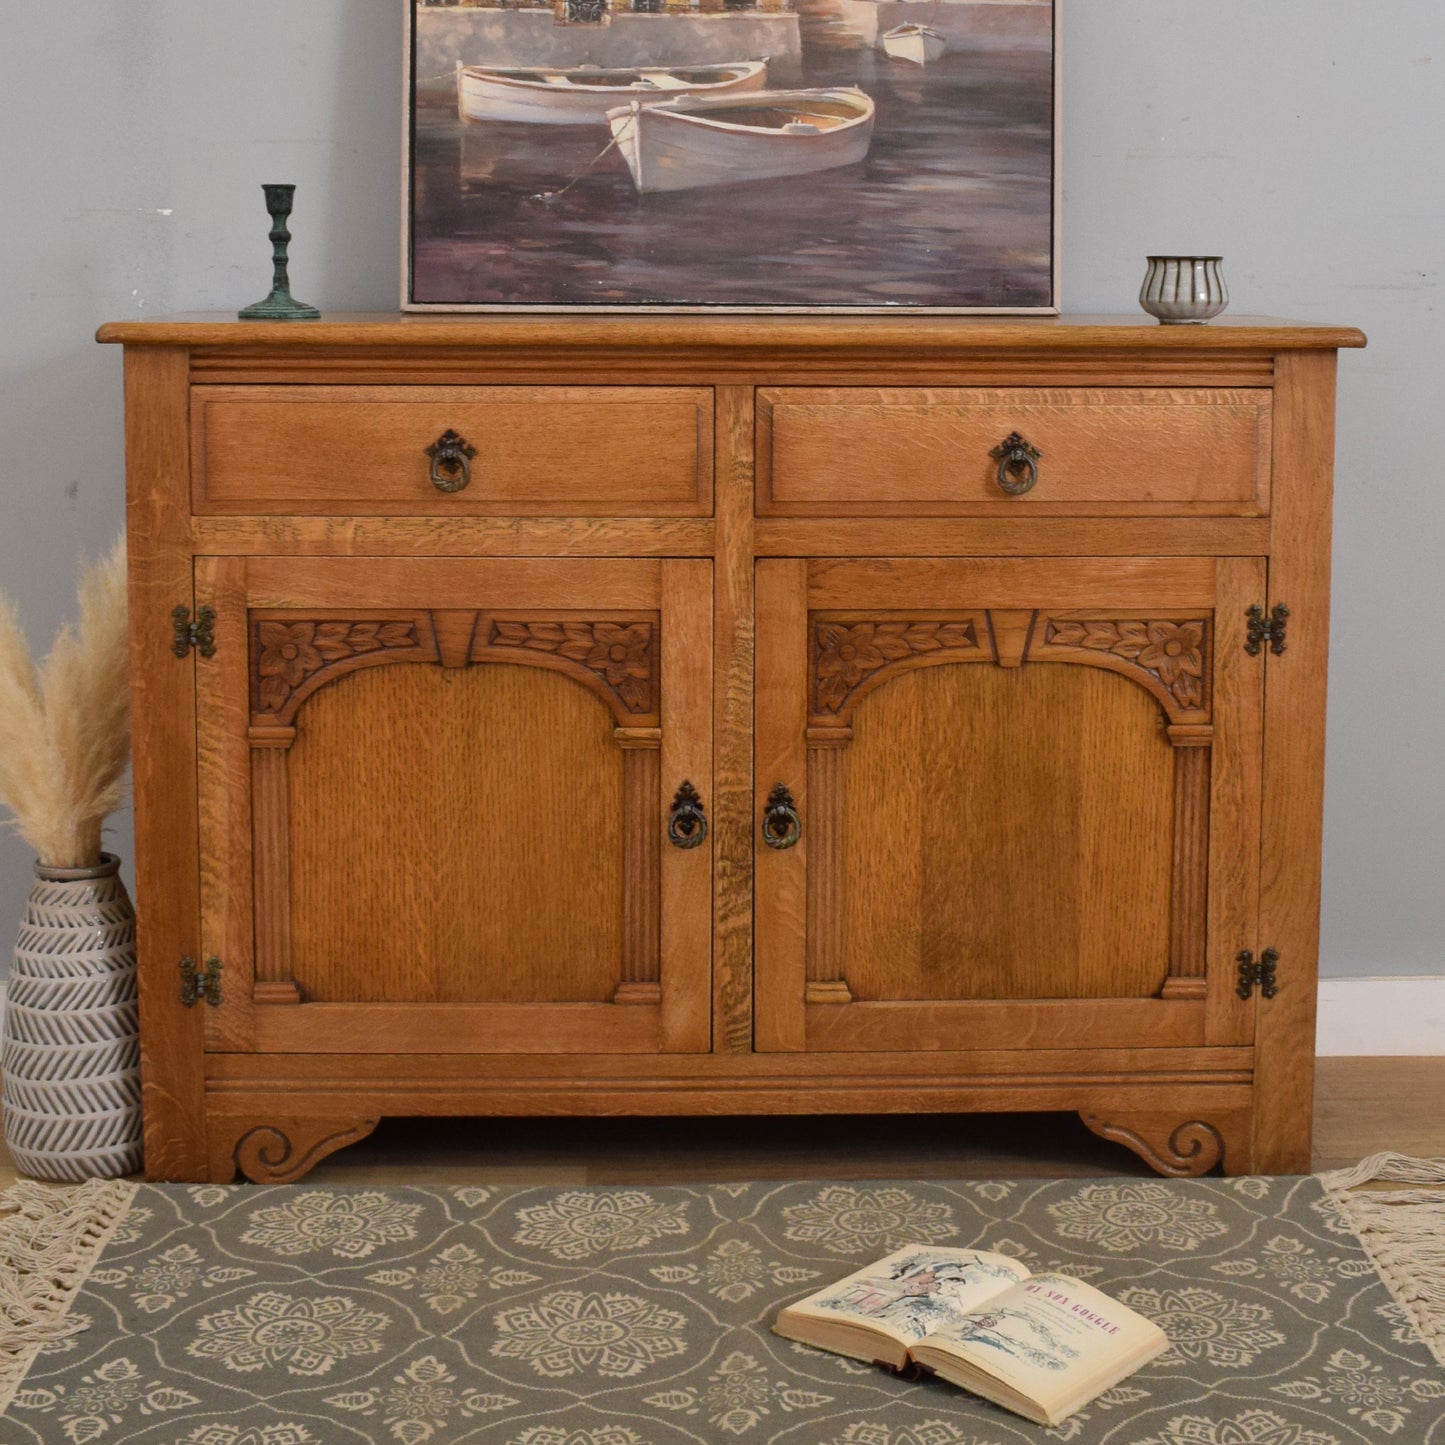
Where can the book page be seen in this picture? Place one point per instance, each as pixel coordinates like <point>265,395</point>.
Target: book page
<point>1052,1339</point>
<point>915,1290</point>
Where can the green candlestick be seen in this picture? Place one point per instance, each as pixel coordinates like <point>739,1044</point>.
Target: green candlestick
<point>280,305</point>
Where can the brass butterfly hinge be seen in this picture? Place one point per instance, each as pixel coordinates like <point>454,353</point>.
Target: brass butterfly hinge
<point>1264,629</point>
<point>201,983</point>
<point>1257,973</point>
<point>200,634</point>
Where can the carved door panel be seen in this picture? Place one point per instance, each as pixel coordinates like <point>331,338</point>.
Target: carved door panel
<point>1006,802</point>
<point>437,804</point>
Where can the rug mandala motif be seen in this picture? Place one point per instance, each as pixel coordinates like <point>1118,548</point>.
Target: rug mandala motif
<point>638,1316</point>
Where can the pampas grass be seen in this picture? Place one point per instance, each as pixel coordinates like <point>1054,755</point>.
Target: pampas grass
<point>65,725</point>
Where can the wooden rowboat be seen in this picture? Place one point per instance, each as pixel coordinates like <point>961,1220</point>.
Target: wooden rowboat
<point>724,140</point>
<point>584,95</point>
<point>918,43</point>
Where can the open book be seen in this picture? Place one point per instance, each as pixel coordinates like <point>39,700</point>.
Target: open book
<point>1040,1345</point>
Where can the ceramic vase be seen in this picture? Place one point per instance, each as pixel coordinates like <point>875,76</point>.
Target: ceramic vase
<point>71,1054</point>
<point>1183,290</point>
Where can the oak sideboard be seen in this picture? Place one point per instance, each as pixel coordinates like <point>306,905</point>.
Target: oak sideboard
<point>727,715</point>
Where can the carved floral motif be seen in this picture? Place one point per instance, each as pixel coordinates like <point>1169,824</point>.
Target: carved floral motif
<point>845,654</point>
<point>1172,651</point>
<point>288,653</point>
<point>620,653</point>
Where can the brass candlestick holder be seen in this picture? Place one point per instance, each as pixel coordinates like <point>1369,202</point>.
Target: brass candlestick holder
<point>280,305</point>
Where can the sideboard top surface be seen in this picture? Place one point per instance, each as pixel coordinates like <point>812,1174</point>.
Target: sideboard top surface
<point>816,334</point>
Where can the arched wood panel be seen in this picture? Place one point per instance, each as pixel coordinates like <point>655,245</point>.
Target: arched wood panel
<point>456,836</point>
<point>1007,834</point>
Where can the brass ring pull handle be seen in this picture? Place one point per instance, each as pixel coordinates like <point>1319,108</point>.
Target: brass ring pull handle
<point>1018,465</point>
<point>782,827</point>
<point>451,461</point>
<point>686,824</point>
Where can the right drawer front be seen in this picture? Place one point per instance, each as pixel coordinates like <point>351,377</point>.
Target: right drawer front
<point>900,451</point>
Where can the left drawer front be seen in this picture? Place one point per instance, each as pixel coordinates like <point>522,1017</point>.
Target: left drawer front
<point>610,451</point>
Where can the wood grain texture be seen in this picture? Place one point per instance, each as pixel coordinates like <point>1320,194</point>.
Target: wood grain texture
<point>592,338</point>
<point>1294,743</point>
<point>1032,536</point>
<point>641,859</point>
<point>225,801</point>
<point>1183,1149</point>
<point>839,1090</point>
<point>947,584</point>
<point>828,861</point>
<point>271,878</point>
<point>163,736</point>
<point>895,1026</point>
<point>426,1069</point>
<point>603,451</point>
<point>733,656</point>
<point>456,837</point>
<point>894,451</point>
<point>1007,835</point>
<point>499,584</point>
<point>717,365</point>
<point>550,1030</point>
<point>1189,903</point>
<point>780,944</point>
<point>453,537</point>
<point>277,1150</point>
<point>1236,764</point>
<point>687,756</point>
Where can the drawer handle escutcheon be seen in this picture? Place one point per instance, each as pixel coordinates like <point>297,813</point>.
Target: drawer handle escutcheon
<point>782,827</point>
<point>451,461</point>
<point>1017,464</point>
<point>686,824</point>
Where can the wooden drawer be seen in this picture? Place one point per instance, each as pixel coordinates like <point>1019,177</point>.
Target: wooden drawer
<point>611,451</point>
<point>905,451</point>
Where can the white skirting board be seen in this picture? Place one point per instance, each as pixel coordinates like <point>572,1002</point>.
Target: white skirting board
<point>1401,1016</point>
<point>1358,1016</point>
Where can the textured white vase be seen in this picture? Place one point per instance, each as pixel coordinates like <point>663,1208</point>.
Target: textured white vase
<point>71,1056</point>
<point>1184,290</point>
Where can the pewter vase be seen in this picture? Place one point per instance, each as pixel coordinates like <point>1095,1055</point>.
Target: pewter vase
<point>71,1053</point>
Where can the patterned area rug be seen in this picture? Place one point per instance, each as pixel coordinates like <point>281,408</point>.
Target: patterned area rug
<point>202,1315</point>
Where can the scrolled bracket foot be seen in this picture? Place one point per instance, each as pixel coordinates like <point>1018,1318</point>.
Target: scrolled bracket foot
<point>1179,1150</point>
<point>278,1151</point>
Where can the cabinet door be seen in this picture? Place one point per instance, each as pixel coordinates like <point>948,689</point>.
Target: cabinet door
<point>436,799</point>
<point>1014,802</point>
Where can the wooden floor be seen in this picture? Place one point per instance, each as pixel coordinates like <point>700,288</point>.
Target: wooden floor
<point>1361,1107</point>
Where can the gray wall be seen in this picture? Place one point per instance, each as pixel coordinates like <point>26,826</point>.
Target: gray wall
<point>1299,138</point>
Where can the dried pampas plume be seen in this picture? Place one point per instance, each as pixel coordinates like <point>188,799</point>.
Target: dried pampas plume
<point>65,725</point>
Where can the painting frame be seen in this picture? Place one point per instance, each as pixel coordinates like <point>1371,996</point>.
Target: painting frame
<point>409,302</point>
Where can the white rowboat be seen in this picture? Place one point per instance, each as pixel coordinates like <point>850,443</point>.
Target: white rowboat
<point>584,95</point>
<point>722,140</point>
<point>917,43</point>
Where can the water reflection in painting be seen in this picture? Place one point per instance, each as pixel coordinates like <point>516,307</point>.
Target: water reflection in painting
<point>847,153</point>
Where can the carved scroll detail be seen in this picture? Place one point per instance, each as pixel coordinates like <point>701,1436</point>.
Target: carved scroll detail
<point>1174,653</point>
<point>279,1151</point>
<point>290,656</point>
<point>1182,1152</point>
<point>621,654</point>
<point>848,655</point>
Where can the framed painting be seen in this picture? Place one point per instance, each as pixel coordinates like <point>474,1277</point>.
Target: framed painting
<point>732,155</point>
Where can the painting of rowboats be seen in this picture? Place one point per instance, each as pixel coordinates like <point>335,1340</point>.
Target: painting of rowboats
<point>726,140</point>
<point>732,155</point>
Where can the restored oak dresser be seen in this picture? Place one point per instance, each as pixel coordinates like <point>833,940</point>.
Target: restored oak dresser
<point>704,715</point>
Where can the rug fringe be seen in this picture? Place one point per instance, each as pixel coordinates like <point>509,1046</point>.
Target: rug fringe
<point>1403,1232</point>
<point>48,1248</point>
